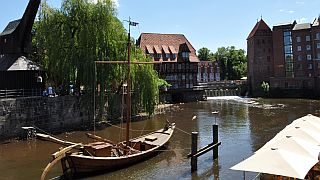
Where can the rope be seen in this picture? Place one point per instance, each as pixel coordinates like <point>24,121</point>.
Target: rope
<point>43,131</point>
<point>183,131</point>
<point>130,129</point>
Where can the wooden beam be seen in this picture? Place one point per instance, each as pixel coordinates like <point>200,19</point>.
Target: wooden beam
<point>206,149</point>
<point>126,62</point>
<point>46,137</point>
<point>199,153</point>
<point>98,138</point>
<point>56,158</point>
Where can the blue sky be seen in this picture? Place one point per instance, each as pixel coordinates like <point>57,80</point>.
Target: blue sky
<point>206,23</point>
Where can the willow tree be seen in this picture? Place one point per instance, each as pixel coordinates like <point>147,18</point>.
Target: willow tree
<point>71,38</point>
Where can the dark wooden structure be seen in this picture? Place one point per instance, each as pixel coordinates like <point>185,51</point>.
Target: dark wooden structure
<point>16,71</point>
<point>196,153</point>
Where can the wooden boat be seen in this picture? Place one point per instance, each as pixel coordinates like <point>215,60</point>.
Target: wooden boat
<point>103,156</point>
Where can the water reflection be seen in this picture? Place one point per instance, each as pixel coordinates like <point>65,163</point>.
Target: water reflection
<point>244,126</point>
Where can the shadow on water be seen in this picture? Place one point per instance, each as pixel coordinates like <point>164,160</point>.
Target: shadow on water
<point>244,126</point>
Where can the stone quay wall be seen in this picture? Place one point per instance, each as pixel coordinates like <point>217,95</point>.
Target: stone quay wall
<point>51,114</point>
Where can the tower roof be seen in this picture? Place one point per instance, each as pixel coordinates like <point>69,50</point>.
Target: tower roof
<point>261,25</point>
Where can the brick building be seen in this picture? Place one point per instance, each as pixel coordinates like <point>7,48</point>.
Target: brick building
<point>288,57</point>
<point>179,65</point>
<point>208,71</point>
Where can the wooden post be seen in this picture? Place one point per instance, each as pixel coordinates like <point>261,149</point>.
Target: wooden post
<point>194,145</point>
<point>215,140</point>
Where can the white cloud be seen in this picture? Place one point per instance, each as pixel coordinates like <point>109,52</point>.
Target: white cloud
<point>302,20</point>
<point>300,2</point>
<point>286,11</point>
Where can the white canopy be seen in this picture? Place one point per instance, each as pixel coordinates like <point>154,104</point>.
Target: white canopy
<point>292,152</point>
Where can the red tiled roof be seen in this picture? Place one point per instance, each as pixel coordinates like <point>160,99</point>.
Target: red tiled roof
<point>149,49</point>
<point>157,49</point>
<point>165,49</point>
<point>173,41</point>
<point>172,49</point>
<point>261,25</point>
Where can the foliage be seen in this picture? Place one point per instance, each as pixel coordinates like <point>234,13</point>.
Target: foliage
<point>233,62</point>
<point>68,41</point>
<point>204,54</point>
<point>265,87</point>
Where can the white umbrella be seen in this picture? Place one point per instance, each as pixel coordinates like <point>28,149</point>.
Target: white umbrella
<point>278,162</point>
<point>308,135</point>
<point>296,145</point>
<point>292,152</point>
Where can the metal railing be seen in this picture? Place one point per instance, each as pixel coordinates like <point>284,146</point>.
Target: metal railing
<point>16,93</point>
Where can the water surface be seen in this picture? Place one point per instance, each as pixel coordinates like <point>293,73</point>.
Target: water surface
<point>244,126</point>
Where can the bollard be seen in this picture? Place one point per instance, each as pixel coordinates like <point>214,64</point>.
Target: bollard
<point>215,140</point>
<point>194,146</point>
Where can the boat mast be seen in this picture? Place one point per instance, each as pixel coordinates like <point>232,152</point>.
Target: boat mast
<point>131,23</point>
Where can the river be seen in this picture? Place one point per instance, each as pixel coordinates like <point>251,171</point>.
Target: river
<point>244,126</point>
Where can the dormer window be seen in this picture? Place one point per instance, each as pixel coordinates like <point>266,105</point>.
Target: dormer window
<point>158,56</point>
<point>167,55</point>
<point>174,56</point>
<point>151,55</point>
<point>185,56</point>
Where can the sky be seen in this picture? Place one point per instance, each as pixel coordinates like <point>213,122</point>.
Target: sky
<point>205,23</point>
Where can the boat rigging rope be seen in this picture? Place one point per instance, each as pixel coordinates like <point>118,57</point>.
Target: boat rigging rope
<point>130,129</point>
<point>183,131</point>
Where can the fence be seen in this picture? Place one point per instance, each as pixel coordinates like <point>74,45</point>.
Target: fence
<point>15,93</point>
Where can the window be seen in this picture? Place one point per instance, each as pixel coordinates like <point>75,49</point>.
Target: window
<point>307,38</point>
<point>185,55</point>
<point>299,58</point>
<point>310,66</point>
<point>288,49</point>
<point>318,45</point>
<point>167,55</point>
<point>298,39</point>
<point>287,40</point>
<point>318,56</point>
<point>173,56</point>
<point>300,67</point>
<point>268,58</point>
<point>158,56</point>
<point>151,55</point>
<point>309,57</point>
<point>299,48</point>
<point>318,36</point>
<point>289,57</point>
<point>308,47</point>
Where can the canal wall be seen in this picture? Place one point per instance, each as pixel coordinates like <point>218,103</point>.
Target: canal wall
<point>55,114</point>
<point>182,96</point>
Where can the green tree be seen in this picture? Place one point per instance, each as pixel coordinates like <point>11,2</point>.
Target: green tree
<point>233,62</point>
<point>68,41</point>
<point>204,54</point>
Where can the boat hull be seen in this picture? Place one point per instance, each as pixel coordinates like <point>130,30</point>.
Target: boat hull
<point>84,165</point>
